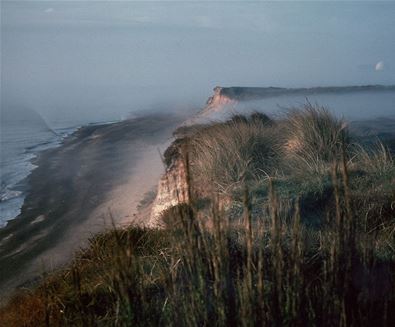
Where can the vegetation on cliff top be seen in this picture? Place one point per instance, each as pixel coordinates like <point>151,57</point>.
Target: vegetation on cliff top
<point>268,266</point>
<point>250,93</point>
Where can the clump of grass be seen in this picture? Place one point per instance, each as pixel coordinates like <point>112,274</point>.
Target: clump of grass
<point>233,152</point>
<point>28,309</point>
<point>374,159</point>
<point>313,138</point>
<point>251,149</point>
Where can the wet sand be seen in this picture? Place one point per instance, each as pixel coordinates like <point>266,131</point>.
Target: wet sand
<point>99,174</point>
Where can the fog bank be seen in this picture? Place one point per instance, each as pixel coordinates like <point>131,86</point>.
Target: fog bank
<point>102,60</point>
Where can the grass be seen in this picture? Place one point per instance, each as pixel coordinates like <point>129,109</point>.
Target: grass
<point>313,138</point>
<point>232,152</point>
<point>267,268</point>
<point>296,152</point>
<point>376,159</point>
<point>301,146</point>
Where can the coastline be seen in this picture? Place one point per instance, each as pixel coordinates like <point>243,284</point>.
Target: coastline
<point>14,190</point>
<point>94,180</point>
<point>73,193</point>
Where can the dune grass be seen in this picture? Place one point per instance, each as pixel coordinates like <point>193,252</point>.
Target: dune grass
<point>269,269</point>
<point>230,153</point>
<point>313,138</point>
<point>296,151</point>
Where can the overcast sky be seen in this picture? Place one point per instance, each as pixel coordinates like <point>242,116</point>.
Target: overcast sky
<point>101,57</point>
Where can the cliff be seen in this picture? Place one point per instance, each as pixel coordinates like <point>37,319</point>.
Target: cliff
<point>172,187</point>
<point>230,96</point>
<point>218,100</point>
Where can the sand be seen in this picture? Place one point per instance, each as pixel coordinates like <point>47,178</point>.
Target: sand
<point>95,179</point>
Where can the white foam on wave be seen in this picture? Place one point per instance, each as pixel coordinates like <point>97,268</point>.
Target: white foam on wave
<point>10,208</point>
<point>8,194</point>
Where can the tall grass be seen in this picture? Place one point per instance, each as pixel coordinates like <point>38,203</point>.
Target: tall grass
<point>243,149</point>
<point>264,273</point>
<point>375,159</point>
<point>230,153</point>
<point>313,138</point>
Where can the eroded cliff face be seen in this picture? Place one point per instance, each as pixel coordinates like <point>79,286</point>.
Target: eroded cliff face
<point>217,102</point>
<point>172,188</point>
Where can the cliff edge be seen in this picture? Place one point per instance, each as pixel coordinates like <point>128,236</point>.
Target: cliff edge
<point>231,96</point>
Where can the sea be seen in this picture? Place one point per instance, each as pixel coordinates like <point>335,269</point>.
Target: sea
<point>24,133</point>
<point>23,136</point>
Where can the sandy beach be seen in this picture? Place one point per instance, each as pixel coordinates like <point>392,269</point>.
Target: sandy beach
<point>96,178</point>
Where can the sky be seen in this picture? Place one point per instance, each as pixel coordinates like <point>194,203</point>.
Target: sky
<point>102,60</point>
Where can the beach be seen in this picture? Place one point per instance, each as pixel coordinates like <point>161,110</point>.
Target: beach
<point>93,181</point>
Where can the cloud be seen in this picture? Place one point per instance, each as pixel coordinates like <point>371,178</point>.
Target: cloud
<point>379,66</point>
<point>48,10</point>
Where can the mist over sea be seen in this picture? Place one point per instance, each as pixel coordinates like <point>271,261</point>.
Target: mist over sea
<point>350,106</point>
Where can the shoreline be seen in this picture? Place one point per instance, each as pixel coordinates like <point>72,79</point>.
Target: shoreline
<point>95,169</point>
<point>19,188</point>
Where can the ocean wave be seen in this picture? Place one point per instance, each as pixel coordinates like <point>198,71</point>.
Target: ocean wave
<point>7,194</point>
<point>10,209</point>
